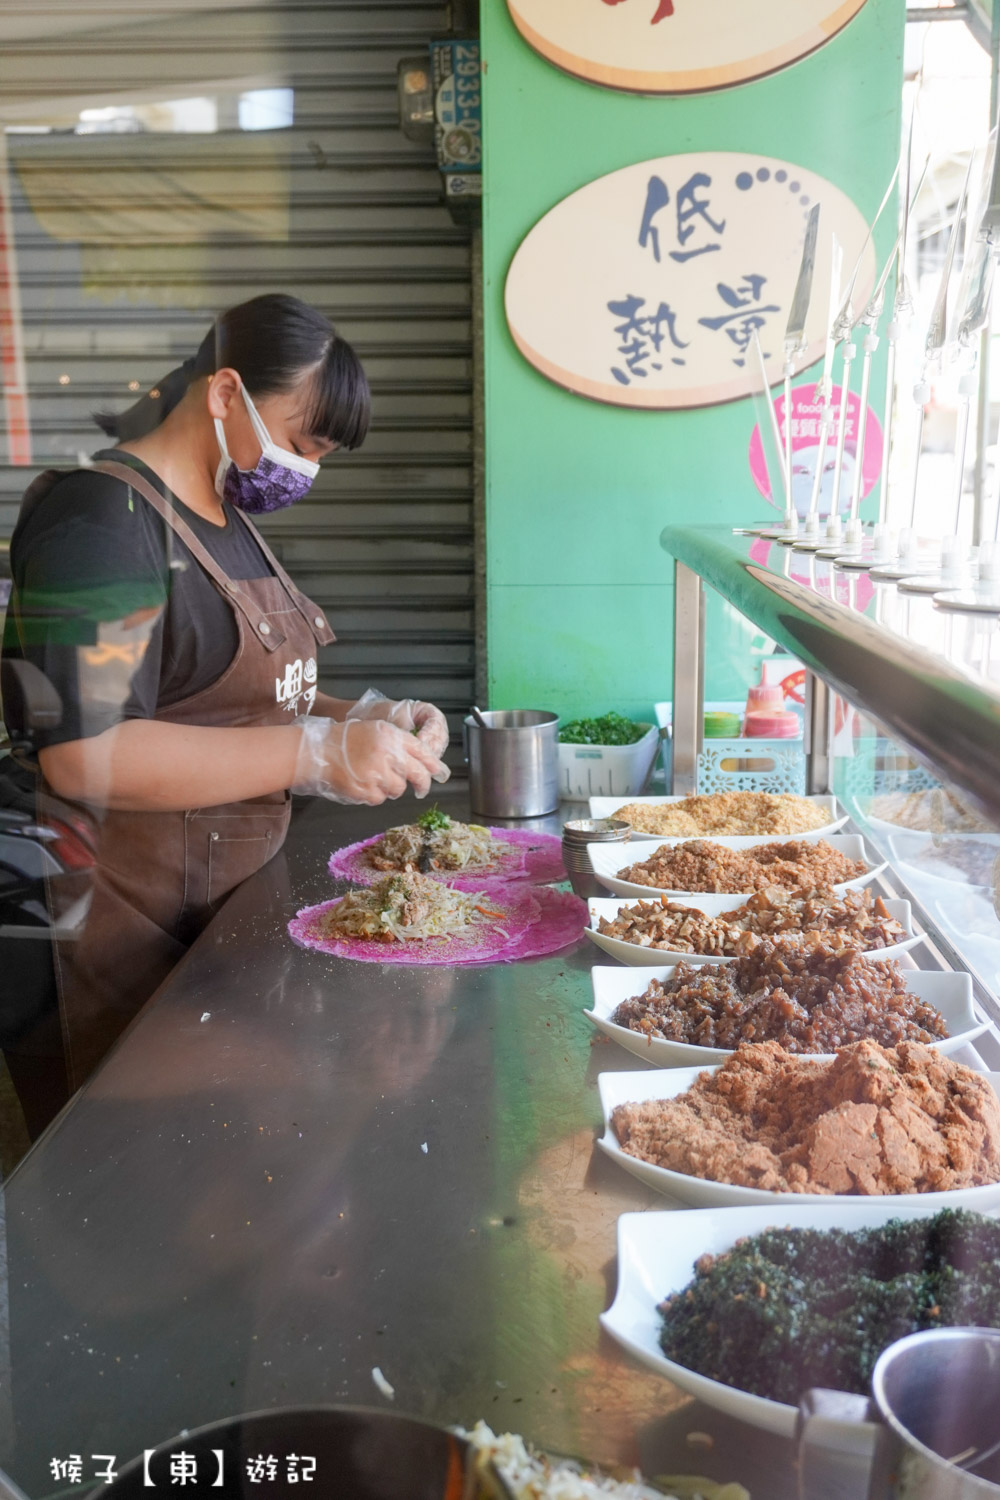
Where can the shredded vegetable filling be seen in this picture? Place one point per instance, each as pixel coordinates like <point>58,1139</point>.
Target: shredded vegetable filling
<point>406,908</point>
<point>535,1476</point>
<point>437,842</point>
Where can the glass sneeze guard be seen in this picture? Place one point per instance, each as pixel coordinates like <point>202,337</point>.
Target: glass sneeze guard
<point>904,734</point>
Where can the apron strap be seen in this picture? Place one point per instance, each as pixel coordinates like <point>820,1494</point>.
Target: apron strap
<point>269,636</point>
<point>310,612</point>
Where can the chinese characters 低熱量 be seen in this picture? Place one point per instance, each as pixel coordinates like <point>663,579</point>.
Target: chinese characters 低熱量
<point>680,227</point>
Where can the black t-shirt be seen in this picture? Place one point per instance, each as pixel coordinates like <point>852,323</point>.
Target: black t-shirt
<point>110,604</point>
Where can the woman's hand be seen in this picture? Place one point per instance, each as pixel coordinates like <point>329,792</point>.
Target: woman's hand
<point>431,726</point>
<point>362,761</point>
<point>143,765</point>
<point>423,720</point>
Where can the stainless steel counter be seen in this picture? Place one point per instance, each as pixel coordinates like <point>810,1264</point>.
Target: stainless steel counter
<point>237,1213</point>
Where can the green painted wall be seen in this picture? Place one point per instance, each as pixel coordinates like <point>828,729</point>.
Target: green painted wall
<point>579,591</point>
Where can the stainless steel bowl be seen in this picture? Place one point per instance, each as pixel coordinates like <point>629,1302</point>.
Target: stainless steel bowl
<point>584,831</point>
<point>577,834</point>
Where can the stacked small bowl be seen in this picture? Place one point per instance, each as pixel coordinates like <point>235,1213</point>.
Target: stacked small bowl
<point>577,834</point>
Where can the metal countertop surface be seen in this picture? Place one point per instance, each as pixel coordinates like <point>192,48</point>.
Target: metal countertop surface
<point>236,1213</point>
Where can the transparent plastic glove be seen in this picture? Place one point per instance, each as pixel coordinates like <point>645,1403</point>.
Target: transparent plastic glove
<point>422,719</point>
<point>360,762</point>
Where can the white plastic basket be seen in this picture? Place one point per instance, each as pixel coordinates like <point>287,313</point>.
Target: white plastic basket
<point>606,770</point>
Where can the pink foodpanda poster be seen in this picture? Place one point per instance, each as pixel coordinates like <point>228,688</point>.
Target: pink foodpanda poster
<point>806,419</point>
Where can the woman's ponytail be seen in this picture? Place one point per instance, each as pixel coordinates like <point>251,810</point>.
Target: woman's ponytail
<point>276,343</point>
<point>151,409</point>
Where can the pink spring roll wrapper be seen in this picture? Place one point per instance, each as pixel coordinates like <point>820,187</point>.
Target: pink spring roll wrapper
<point>536,921</point>
<point>535,857</point>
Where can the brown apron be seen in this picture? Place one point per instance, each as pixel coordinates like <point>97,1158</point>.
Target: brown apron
<point>161,876</point>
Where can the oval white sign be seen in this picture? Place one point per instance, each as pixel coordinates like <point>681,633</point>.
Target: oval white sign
<point>645,287</point>
<point>677,46</point>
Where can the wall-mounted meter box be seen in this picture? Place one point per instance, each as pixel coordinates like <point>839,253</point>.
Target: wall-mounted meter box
<point>458,137</point>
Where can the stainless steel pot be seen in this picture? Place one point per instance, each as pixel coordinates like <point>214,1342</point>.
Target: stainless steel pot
<point>930,1432</point>
<point>513,763</point>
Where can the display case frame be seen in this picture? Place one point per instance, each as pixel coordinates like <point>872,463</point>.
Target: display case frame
<point>946,719</point>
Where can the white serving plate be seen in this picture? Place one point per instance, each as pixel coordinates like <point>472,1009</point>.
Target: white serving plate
<point>910,849</point>
<point>636,1088</point>
<point>884,829</point>
<point>949,993</point>
<point>607,859</point>
<point>712,906</point>
<point>606,807</point>
<point>656,1256</point>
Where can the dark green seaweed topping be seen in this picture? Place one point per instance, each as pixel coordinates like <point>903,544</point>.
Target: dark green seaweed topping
<point>794,1308</point>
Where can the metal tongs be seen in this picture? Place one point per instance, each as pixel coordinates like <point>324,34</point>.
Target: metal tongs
<point>795,333</point>
<point>870,320</point>
<point>936,340</point>
<point>843,328</point>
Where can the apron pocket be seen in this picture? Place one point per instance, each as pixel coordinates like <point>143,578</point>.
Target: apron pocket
<point>231,860</point>
<point>223,848</point>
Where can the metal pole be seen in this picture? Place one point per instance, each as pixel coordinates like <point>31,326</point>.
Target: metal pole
<point>921,395</point>
<point>979,518</point>
<point>890,390</point>
<point>786,467</point>
<point>819,735</point>
<point>845,391</point>
<point>870,345</point>
<point>824,386</point>
<point>788,432</point>
<point>689,682</point>
<point>982,438</point>
<point>966,386</point>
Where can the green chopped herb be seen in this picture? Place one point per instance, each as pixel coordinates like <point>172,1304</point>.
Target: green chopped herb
<point>611,729</point>
<point>433,820</point>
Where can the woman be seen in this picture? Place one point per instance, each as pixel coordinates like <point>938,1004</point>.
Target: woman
<point>185,657</point>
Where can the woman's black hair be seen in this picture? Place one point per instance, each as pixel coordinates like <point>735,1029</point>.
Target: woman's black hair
<point>274,342</point>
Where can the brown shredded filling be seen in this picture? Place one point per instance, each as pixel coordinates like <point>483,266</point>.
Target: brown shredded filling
<point>856,916</point>
<point>807,1000</point>
<point>873,1121</point>
<point>701,865</point>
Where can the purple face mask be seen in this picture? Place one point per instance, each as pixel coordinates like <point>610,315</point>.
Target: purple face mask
<point>279,477</point>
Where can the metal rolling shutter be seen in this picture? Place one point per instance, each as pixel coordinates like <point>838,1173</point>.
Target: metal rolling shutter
<point>339,208</point>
